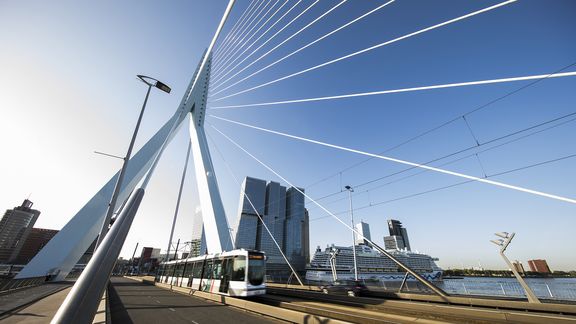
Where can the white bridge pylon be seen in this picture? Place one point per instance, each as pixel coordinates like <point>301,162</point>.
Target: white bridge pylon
<point>64,250</point>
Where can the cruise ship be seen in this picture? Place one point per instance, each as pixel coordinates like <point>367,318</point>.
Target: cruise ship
<point>372,265</point>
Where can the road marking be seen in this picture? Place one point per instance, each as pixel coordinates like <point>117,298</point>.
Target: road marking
<point>193,321</point>
<point>157,301</point>
<point>172,309</point>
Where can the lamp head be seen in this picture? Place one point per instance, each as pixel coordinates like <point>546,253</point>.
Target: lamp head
<point>503,235</point>
<point>498,242</point>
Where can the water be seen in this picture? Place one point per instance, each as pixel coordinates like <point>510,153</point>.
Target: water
<point>544,288</point>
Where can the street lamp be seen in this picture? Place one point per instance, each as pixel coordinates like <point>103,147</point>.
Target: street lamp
<point>150,82</point>
<point>503,242</point>
<point>350,191</point>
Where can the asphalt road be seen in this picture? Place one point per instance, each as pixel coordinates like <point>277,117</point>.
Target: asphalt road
<point>135,302</point>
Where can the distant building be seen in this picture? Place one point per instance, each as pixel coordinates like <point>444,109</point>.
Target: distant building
<point>539,265</point>
<point>518,267</point>
<point>395,228</point>
<point>35,241</point>
<point>364,230</point>
<point>393,242</point>
<point>198,242</point>
<point>282,211</point>
<point>149,259</point>
<point>15,227</point>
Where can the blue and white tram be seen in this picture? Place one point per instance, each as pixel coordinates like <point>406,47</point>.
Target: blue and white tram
<point>233,273</point>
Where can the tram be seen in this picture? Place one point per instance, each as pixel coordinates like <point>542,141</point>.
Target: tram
<point>234,273</point>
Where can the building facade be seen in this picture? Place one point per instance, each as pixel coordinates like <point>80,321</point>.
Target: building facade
<point>518,267</point>
<point>284,215</point>
<point>539,265</point>
<point>364,230</point>
<point>15,227</point>
<point>398,239</point>
<point>35,241</point>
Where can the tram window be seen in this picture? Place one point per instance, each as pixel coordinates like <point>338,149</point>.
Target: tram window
<point>197,269</point>
<point>239,268</point>
<point>188,269</point>
<point>227,267</point>
<point>208,269</point>
<point>256,268</point>
<point>169,270</point>
<point>216,268</point>
<point>179,269</point>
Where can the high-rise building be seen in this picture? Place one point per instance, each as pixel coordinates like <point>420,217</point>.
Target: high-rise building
<point>518,267</point>
<point>36,240</point>
<point>396,229</point>
<point>14,229</point>
<point>282,211</point>
<point>198,241</point>
<point>539,265</point>
<point>364,230</point>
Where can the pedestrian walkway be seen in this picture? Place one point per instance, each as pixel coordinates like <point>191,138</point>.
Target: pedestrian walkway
<point>33,305</point>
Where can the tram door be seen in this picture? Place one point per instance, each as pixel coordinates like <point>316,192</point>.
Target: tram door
<point>225,275</point>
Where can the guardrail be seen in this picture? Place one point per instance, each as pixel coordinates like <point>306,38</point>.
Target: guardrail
<point>7,285</point>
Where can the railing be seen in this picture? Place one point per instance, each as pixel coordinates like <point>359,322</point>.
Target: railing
<point>543,290</point>
<point>13,284</point>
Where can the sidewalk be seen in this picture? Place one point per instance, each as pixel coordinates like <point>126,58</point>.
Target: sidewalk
<point>33,303</point>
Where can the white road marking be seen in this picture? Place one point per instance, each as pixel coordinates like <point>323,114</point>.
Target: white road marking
<point>172,309</point>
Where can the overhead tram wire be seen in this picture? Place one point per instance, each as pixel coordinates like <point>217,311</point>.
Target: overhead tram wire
<point>455,153</point>
<point>405,162</point>
<point>291,36</point>
<point>449,186</point>
<point>370,48</point>
<point>254,208</point>
<point>250,27</point>
<point>235,55</point>
<point>441,165</point>
<point>240,30</point>
<point>306,46</point>
<point>418,277</point>
<point>275,34</point>
<point>217,75</point>
<point>420,135</point>
<point>233,29</point>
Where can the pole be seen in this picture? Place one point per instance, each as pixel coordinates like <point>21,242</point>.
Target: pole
<point>132,258</point>
<point>178,201</point>
<point>353,234</point>
<point>175,256</point>
<point>112,204</point>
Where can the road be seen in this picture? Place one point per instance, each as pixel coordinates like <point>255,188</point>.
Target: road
<point>135,302</point>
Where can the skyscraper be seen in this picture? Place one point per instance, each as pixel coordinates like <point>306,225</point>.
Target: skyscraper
<point>35,241</point>
<point>198,241</point>
<point>14,229</point>
<point>364,230</point>
<point>282,211</point>
<point>398,234</point>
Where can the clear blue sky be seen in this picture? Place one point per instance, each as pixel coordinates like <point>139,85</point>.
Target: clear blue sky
<point>68,88</point>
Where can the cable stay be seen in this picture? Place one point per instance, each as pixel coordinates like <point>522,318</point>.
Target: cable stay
<point>305,46</point>
<point>448,122</point>
<point>233,56</point>
<point>416,275</point>
<point>240,42</point>
<point>233,29</point>
<point>441,165</point>
<point>239,31</point>
<point>255,209</point>
<point>276,33</point>
<point>292,36</point>
<point>418,165</point>
<point>372,48</point>
<point>217,75</point>
<point>414,89</point>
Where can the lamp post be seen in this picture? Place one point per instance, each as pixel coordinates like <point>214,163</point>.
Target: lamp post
<point>350,191</point>
<point>150,82</point>
<point>503,243</point>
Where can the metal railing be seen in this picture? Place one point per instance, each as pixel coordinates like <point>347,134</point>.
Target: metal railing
<point>82,302</point>
<point>7,285</point>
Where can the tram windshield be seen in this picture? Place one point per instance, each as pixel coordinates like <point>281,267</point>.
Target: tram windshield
<point>256,268</point>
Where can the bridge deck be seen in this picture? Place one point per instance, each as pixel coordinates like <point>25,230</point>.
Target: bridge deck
<point>135,302</point>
